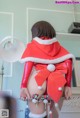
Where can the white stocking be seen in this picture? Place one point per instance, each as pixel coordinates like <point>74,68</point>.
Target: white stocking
<point>31,115</point>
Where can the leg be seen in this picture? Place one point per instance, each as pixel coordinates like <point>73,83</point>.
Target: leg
<point>55,113</point>
<point>33,89</point>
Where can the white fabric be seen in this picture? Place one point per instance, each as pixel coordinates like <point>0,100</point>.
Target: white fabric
<point>51,67</point>
<point>48,61</point>
<point>45,42</point>
<point>31,115</point>
<point>39,87</point>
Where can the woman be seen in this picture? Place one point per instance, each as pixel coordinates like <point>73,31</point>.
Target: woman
<point>48,68</point>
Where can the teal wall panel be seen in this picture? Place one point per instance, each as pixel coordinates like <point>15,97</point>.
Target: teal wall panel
<point>5,24</point>
<point>60,20</point>
<point>71,43</point>
<point>77,17</point>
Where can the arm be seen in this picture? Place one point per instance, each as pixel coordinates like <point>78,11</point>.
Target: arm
<point>69,72</point>
<point>67,88</point>
<point>24,93</point>
<point>27,70</point>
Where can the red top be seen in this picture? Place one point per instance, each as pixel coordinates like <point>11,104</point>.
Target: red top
<point>40,53</point>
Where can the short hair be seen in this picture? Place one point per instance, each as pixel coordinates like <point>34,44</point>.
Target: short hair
<point>43,28</point>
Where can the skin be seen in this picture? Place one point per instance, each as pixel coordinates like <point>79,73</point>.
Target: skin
<point>24,93</point>
<point>67,92</point>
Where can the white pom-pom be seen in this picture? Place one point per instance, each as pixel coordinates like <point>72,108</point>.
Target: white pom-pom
<point>50,112</point>
<point>56,104</point>
<point>45,101</point>
<point>60,88</point>
<point>51,67</point>
<point>39,87</point>
<point>34,100</point>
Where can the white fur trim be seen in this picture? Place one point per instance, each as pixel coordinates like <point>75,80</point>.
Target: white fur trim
<point>51,67</point>
<point>47,61</point>
<point>45,42</point>
<point>31,115</point>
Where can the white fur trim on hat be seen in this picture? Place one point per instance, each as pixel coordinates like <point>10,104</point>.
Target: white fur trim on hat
<point>31,115</point>
<point>51,67</point>
<point>45,42</point>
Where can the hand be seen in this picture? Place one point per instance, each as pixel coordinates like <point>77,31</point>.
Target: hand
<point>24,94</point>
<point>67,92</point>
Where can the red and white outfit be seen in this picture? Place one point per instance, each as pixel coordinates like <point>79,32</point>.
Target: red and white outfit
<point>53,62</point>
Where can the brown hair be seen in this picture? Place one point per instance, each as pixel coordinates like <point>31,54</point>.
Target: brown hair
<point>43,28</point>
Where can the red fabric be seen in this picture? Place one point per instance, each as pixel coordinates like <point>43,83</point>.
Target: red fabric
<point>28,67</point>
<point>69,73</point>
<point>27,70</point>
<point>45,38</point>
<point>56,79</point>
<point>41,51</point>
